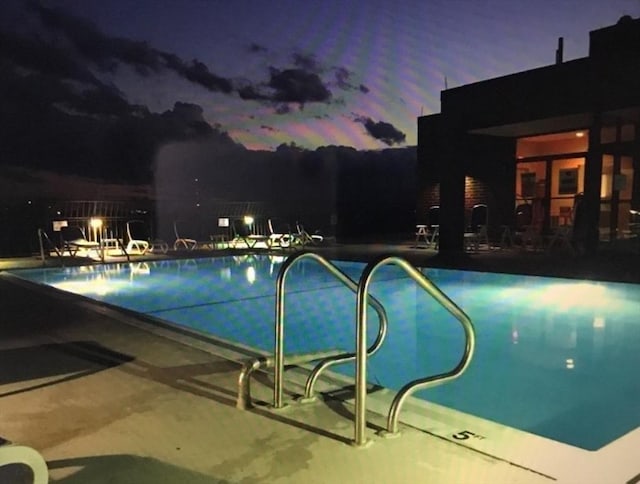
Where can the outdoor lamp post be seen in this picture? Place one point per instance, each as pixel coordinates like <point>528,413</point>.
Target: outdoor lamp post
<point>96,225</point>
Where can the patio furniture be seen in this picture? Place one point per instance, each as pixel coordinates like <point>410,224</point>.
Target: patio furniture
<point>74,241</point>
<point>243,235</point>
<point>571,234</point>
<point>280,234</point>
<point>430,231</point>
<point>523,232</point>
<point>140,239</point>
<point>478,229</point>
<point>12,454</point>
<point>433,229</point>
<point>422,232</point>
<point>183,242</point>
<point>305,237</point>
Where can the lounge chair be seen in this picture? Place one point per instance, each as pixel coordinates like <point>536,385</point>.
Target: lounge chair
<point>75,241</point>
<point>478,229</point>
<point>140,240</point>
<point>11,454</point>
<point>280,234</point>
<point>243,235</point>
<point>305,237</point>
<point>183,242</point>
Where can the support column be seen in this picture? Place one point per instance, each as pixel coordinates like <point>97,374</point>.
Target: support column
<point>592,183</point>
<point>452,173</point>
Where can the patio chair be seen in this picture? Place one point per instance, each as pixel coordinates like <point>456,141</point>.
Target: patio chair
<point>571,235</point>
<point>75,241</point>
<point>478,228</point>
<point>242,234</point>
<point>521,231</point>
<point>184,242</point>
<point>11,454</point>
<point>433,228</point>
<point>140,239</point>
<point>430,231</point>
<point>527,232</point>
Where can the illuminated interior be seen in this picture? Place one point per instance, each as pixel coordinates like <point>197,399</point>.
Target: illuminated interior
<point>552,167</point>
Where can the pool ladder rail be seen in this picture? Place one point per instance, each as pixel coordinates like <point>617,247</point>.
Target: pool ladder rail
<point>327,358</point>
<point>332,357</point>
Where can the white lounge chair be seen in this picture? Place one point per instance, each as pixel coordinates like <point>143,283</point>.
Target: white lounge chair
<point>140,240</point>
<point>183,242</point>
<point>20,454</point>
<point>307,238</point>
<point>280,234</point>
<point>75,241</point>
<point>243,237</point>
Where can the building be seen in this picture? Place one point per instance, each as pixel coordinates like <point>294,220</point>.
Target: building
<point>567,128</point>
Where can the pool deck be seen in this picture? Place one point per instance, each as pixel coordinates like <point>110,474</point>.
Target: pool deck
<point>105,400</point>
<point>608,265</point>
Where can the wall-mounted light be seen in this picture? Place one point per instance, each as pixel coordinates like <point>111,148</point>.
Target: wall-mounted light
<point>248,220</point>
<point>579,134</point>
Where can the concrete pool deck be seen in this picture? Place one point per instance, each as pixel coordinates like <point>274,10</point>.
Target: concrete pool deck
<point>106,401</point>
<point>608,265</point>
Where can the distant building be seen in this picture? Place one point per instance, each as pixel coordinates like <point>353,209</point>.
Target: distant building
<point>568,128</point>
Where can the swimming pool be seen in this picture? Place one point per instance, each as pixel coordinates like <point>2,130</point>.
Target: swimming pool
<point>554,357</point>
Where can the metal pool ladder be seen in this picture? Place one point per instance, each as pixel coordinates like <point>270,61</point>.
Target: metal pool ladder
<point>327,358</point>
<point>361,358</point>
<point>363,300</point>
<point>330,360</point>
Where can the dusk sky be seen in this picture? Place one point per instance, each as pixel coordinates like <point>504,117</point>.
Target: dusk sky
<point>315,73</point>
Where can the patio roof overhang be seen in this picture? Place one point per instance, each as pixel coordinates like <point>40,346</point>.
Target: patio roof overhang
<point>556,124</point>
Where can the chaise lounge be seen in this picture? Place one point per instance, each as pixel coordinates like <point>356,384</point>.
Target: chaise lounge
<point>243,237</point>
<point>140,240</point>
<point>20,455</point>
<point>75,241</point>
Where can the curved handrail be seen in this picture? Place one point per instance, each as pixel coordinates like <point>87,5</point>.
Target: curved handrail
<point>279,325</point>
<point>415,385</point>
<point>243,401</point>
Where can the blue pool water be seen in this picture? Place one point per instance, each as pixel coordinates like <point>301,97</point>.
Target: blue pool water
<point>554,357</point>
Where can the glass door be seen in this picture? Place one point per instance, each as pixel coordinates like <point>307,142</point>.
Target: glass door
<point>616,192</point>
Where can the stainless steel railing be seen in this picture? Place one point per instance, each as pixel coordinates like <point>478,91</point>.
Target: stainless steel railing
<point>363,300</point>
<point>279,325</point>
<point>243,401</point>
<point>361,354</point>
